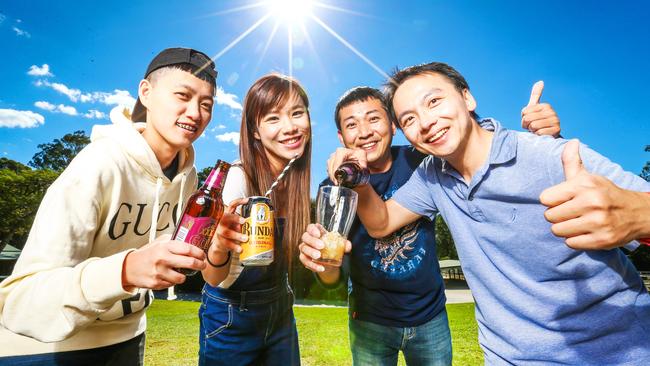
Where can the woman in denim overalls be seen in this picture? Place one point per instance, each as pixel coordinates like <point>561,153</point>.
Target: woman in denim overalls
<point>246,312</point>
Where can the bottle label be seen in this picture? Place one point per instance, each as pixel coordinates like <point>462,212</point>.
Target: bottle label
<point>197,231</point>
<point>260,230</point>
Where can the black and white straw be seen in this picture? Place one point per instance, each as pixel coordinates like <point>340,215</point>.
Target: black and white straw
<point>279,178</point>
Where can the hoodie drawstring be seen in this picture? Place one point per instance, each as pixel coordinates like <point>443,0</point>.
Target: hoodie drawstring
<point>154,213</point>
<point>170,291</point>
<point>179,211</point>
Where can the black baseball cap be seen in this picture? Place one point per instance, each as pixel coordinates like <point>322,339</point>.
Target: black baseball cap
<point>202,66</point>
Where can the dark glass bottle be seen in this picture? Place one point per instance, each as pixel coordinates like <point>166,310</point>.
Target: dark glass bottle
<point>350,174</point>
<point>203,211</point>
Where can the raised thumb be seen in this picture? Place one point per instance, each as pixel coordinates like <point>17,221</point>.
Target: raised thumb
<point>536,93</point>
<point>571,160</point>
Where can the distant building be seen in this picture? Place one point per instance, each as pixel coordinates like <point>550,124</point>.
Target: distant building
<point>450,269</point>
<point>8,258</point>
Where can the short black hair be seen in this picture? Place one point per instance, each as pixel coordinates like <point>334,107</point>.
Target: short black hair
<point>358,94</point>
<point>399,76</point>
<point>192,69</point>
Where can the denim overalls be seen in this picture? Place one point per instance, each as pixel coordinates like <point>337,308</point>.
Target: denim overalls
<point>252,322</point>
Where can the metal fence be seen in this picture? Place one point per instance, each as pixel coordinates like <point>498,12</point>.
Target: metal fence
<point>645,276</point>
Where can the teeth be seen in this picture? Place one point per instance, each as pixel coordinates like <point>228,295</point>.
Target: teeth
<point>291,141</point>
<point>438,135</point>
<point>186,127</point>
<point>368,145</point>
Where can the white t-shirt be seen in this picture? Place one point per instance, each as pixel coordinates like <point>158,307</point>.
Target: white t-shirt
<point>234,188</point>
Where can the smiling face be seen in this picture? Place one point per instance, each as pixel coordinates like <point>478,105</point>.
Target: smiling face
<point>179,107</point>
<point>434,116</point>
<point>365,125</point>
<point>284,131</point>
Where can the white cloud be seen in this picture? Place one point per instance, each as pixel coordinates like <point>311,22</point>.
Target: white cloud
<point>21,32</point>
<point>23,119</point>
<point>229,136</point>
<point>71,111</point>
<point>117,97</point>
<point>227,99</point>
<point>45,105</point>
<point>40,71</point>
<point>65,109</point>
<point>94,114</point>
<point>217,127</point>
<point>73,94</point>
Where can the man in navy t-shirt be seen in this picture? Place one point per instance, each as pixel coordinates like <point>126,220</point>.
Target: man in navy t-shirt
<point>397,299</point>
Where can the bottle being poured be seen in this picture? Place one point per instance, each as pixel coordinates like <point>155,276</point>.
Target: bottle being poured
<point>350,174</point>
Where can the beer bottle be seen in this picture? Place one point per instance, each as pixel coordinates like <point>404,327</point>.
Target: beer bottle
<point>203,211</point>
<point>350,175</point>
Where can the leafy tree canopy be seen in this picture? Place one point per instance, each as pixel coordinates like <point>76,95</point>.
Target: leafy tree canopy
<point>57,154</point>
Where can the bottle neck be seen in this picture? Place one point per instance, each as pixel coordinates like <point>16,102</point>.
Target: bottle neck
<point>217,178</point>
<point>350,174</point>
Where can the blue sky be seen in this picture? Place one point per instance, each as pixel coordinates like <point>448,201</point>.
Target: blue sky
<point>593,57</point>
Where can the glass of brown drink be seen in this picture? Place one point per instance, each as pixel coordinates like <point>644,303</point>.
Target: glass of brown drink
<point>336,208</point>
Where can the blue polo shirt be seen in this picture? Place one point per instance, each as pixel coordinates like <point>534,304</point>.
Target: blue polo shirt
<point>537,300</point>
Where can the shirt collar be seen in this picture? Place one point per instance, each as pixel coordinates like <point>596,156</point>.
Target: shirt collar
<point>504,144</point>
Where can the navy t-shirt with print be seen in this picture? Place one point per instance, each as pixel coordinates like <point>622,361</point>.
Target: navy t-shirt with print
<point>395,281</point>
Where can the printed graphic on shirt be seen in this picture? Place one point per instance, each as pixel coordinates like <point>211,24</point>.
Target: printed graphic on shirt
<point>129,217</point>
<point>141,300</point>
<point>397,255</point>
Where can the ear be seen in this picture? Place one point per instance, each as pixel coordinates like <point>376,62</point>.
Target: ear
<point>393,128</point>
<point>256,135</point>
<point>470,102</point>
<point>144,92</point>
<point>340,137</point>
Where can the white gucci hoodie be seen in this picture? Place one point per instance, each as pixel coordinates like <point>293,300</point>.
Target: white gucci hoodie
<point>65,292</point>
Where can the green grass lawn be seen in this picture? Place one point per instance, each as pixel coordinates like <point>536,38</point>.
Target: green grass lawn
<point>173,326</point>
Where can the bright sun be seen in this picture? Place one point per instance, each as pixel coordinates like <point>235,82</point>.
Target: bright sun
<point>292,15</point>
<point>290,11</point>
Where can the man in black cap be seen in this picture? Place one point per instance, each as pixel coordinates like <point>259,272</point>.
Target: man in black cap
<point>100,239</point>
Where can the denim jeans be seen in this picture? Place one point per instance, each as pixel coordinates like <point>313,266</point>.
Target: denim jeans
<point>248,327</point>
<point>426,344</point>
<point>128,353</point>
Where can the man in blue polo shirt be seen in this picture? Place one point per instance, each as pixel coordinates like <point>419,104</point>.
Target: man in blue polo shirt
<point>538,301</point>
<point>397,299</point>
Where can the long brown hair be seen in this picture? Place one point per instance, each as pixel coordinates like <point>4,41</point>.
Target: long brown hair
<point>291,197</point>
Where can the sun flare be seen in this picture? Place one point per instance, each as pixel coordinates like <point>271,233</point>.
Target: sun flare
<point>290,11</point>
<point>292,15</point>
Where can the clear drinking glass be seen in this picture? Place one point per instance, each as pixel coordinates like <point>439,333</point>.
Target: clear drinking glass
<point>336,208</point>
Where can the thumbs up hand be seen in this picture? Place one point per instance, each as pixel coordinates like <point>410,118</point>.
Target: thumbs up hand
<point>539,118</point>
<point>590,211</point>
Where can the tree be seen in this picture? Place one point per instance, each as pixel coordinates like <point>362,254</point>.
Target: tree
<point>21,193</point>
<point>444,242</point>
<point>641,256</point>
<point>203,175</point>
<point>12,165</point>
<point>57,154</point>
<point>645,172</point>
